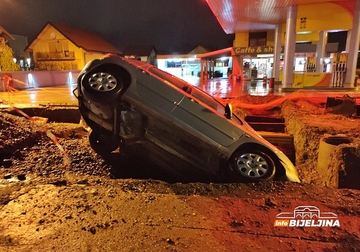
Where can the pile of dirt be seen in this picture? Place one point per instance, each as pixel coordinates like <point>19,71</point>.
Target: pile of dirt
<point>27,149</point>
<point>143,215</point>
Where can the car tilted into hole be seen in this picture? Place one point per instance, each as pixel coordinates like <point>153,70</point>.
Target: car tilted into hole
<point>151,114</point>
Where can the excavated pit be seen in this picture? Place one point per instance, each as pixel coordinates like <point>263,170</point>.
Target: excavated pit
<point>61,114</point>
<point>310,124</point>
<point>308,120</point>
<point>295,126</point>
<point>33,152</point>
<point>273,129</point>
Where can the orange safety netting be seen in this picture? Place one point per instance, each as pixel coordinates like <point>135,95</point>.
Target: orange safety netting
<point>276,102</point>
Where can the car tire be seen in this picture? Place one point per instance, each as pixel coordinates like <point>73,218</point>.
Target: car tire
<point>102,143</point>
<point>103,83</point>
<point>252,166</point>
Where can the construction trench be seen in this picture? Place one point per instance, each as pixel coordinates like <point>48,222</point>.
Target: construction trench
<point>118,204</point>
<point>322,139</point>
<point>327,145</point>
<point>324,146</point>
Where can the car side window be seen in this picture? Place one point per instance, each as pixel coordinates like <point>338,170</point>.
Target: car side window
<point>179,83</point>
<point>193,91</point>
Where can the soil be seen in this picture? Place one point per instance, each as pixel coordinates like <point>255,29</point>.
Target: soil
<point>57,194</point>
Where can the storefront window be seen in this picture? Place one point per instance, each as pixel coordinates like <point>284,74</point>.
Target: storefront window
<point>174,63</point>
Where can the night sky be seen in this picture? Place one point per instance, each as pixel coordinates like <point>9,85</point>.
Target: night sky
<point>169,25</point>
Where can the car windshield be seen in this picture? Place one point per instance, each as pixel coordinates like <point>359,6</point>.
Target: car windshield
<point>192,90</point>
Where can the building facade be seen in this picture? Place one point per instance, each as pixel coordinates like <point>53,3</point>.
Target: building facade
<point>61,47</point>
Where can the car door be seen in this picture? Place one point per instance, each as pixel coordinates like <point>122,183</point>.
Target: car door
<point>155,95</point>
<point>203,132</point>
<point>206,122</point>
<point>169,128</point>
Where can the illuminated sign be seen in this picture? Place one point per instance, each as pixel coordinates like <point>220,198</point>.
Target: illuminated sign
<point>255,50</point>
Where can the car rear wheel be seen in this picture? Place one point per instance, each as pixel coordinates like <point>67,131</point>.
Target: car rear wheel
<point>103,82</point>
<point>102,143</point>
<point>252,165</point>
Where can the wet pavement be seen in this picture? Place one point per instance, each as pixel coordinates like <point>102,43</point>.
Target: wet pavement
<point>229,88</point>
<point>218,87</point>
<point>55,96</point>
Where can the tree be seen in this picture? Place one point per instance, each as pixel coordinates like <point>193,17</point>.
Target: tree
<point>6,59</point>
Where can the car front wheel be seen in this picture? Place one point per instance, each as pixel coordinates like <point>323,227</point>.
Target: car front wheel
<point>252,165</point>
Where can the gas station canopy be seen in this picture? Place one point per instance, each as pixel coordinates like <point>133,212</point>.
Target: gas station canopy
<point>292,21</point>
<point>258,15</point>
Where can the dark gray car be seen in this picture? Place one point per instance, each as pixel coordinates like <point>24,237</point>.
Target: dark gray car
<point>154,115</point>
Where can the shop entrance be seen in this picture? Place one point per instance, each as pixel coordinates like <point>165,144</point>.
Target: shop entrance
<point>258,68</point>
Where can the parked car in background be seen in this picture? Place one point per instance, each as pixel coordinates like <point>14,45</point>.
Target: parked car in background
<point>151,114</point>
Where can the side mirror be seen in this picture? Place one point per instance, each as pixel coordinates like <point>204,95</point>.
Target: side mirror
<point>228,110</point>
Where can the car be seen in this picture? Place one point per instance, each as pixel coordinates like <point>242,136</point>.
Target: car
<point>148,113</point>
